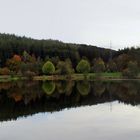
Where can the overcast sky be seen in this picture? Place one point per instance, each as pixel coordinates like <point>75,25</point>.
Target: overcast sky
<point>95,22</point>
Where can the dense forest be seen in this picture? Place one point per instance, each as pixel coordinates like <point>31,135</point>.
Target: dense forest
<point>22,54</point>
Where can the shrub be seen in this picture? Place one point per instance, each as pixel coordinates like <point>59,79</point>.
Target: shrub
<point>29,74</point>
<point>35,67</point>
<point>83,66</point>
<point>4,71</point>
<point>48,68</point>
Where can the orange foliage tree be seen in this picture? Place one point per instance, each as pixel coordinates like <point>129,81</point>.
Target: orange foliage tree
<point>13,63</point>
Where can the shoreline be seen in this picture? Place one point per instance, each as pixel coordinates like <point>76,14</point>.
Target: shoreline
<point>72,77</point>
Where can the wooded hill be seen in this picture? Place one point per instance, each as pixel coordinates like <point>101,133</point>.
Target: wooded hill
<point>20,54</point>
<point>11,45</point>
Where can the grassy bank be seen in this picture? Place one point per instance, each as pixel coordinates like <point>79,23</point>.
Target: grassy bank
<point>8,78</point>
<point>89,76</point>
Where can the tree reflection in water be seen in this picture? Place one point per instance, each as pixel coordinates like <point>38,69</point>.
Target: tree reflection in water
<point>48,87</point>
<point>83,87</point>
<point>19,99</point>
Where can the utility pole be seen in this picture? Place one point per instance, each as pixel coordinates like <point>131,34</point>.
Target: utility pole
<point>110,59</point>
<point>110,51</point>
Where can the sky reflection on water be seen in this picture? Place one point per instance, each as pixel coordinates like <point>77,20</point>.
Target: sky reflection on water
<point>106,121</point>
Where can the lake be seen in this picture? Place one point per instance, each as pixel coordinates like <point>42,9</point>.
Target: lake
<point>70,110</point>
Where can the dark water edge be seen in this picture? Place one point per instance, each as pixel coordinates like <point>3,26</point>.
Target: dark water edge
<point>22,99</point>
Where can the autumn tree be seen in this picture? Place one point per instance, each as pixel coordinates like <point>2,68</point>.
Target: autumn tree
<point>83,66</point>
<point>99,65</point>
<point>132,70</point>
<point>122,61</point>
<point>14,63</point>
<point>111,66</point>
<point>48,68</point>
<point>26,56</point>
<point>16,58</point>
<point>64,67</point>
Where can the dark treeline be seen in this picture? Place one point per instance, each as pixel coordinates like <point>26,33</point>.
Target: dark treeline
<point>11,45</point>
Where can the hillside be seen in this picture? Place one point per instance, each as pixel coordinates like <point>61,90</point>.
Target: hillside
<point>12,44</point>
<point>20,55</point>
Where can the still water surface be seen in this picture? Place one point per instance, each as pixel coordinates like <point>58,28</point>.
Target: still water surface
<point>70,110</point>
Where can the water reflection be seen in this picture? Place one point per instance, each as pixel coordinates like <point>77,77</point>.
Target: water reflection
<point>20,99</point>
<point>83,87</point>
<point>48,87</point>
